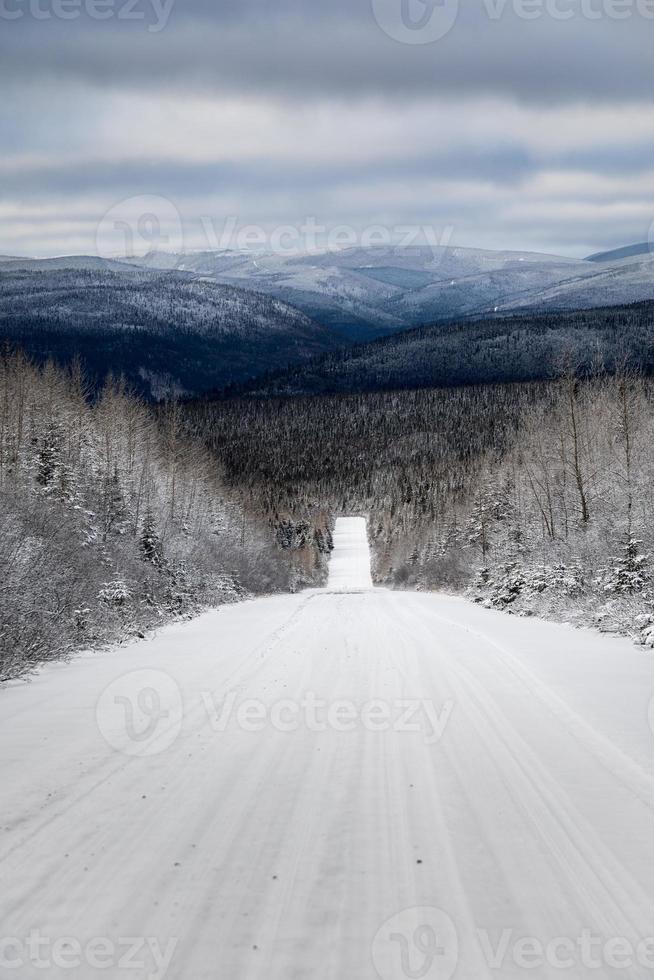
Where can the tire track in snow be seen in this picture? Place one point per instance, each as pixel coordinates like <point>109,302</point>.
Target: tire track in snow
<point>607,898</point>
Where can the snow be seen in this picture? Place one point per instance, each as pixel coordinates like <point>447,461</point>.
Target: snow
<point>349,568</point>
<point>308,786</point>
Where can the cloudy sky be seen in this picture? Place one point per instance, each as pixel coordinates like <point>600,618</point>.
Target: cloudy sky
<point>522,124</point>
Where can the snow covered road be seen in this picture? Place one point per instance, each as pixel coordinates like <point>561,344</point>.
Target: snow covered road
<point>337,785</point>
<point>349,568</point>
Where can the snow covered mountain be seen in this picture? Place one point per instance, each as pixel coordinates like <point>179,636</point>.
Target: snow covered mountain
<point>363,293</point>
<point>186,323</point>
<point>610,283</point>
<point>359,294</point>
<point>168,334</point>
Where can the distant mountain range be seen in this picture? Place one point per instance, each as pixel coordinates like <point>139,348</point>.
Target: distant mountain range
<point>363,293</point>
<point>187,323</point>
<point>88,262</point>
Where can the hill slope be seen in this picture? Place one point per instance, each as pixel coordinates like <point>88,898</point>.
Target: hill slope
<point>519,348</point>
<point>628,280</point>
<point>627,252</point>
<point>167,333</point>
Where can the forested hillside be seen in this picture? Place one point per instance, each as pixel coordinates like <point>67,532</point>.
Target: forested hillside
<point>400,457</point>
<point>517,348</point>
<point>168,333</point>
<point>536,497</point>
<point>112,521</point>
<point>173,333</point>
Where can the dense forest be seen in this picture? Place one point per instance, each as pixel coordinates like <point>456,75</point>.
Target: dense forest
<point>113,521</point>
<point>395,454</point>
<point>526,347</point>
<point>533,497</point>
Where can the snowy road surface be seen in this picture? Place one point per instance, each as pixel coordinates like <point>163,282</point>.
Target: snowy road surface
<point>337,786</point>
<point>349,568</point>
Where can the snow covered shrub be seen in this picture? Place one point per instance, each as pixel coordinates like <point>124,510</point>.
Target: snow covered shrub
<point>626,593</point>
<point>537,589</point>
<point>644,624</point>
<point>225,588</point>
<point>629,572</point>
<point>116,593</point>
<point>501,589</point>
<point>81,619</point>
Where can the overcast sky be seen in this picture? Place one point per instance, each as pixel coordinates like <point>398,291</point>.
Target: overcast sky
<point>493,124</point>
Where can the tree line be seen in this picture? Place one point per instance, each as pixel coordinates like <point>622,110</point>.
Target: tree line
<point>112,520</point>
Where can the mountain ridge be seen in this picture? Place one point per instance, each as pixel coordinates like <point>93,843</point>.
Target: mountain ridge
<point>363,293</point>
<point>521,347</point>
<point>626,251</point>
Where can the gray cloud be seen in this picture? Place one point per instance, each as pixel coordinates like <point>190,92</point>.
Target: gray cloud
<point>310,50</point>
<point>474,130</point>
<point>506,165</point>
<point>179,177</point>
